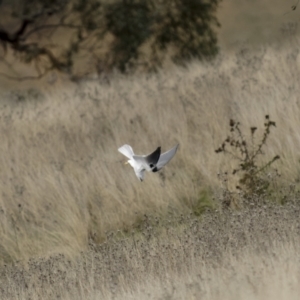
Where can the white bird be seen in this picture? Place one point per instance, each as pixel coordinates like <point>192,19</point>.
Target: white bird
<point>152,162</point>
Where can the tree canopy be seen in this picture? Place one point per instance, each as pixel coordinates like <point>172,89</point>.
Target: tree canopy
<point>122,34</point>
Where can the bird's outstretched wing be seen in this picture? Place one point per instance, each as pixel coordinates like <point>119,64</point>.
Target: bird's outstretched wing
<point>166,157</point>
<point>126,150</point>
<point>148,161</point>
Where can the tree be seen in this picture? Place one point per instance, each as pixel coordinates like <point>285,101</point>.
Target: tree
<point>113,33</point>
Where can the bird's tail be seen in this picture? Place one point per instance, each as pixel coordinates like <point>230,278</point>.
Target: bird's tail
<point>126,150</point>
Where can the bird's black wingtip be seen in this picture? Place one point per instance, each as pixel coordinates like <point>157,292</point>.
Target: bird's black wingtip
<point>154,170</point>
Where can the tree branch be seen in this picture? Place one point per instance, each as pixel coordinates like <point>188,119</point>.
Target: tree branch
<point>24,78</point>
<point>51,26</point>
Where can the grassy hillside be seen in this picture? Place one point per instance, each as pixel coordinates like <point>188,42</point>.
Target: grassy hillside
<point>75,222</point>
<point>257,23</point>
<point>251,254</point>
<point>62,179</point>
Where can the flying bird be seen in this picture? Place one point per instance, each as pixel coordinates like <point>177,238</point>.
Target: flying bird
<point>152,162</point>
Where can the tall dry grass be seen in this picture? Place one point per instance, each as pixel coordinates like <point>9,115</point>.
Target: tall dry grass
<point>251,254</point>
<point>63,181</point>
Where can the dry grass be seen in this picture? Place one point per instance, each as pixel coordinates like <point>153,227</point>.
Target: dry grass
<point>63,181</point>
<point>251,254</point>
<point>72,216</point>
<point>65,190</point>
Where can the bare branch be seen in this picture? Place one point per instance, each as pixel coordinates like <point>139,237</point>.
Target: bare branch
<point>50,26</point>
<point>24,78</point>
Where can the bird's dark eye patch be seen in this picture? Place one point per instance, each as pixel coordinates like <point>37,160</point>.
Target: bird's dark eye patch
<point>151,165</point>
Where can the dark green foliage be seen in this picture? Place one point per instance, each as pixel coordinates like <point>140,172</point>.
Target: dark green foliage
<point>187,25</point>
<point>182,29</point>
<point>130,22</point>
<point>252,177</point>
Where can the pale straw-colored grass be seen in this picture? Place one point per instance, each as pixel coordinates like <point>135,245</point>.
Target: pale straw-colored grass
<point>249,254</point>
<point>251,276</point>
<point>61,175</point>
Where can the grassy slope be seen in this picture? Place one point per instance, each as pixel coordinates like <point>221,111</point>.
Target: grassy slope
<point>62,179</point>
<point>251,254</point>
<point>61,176</point>
<point>256,23</point>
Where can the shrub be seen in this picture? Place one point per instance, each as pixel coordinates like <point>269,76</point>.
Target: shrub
<point>253,182</point>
